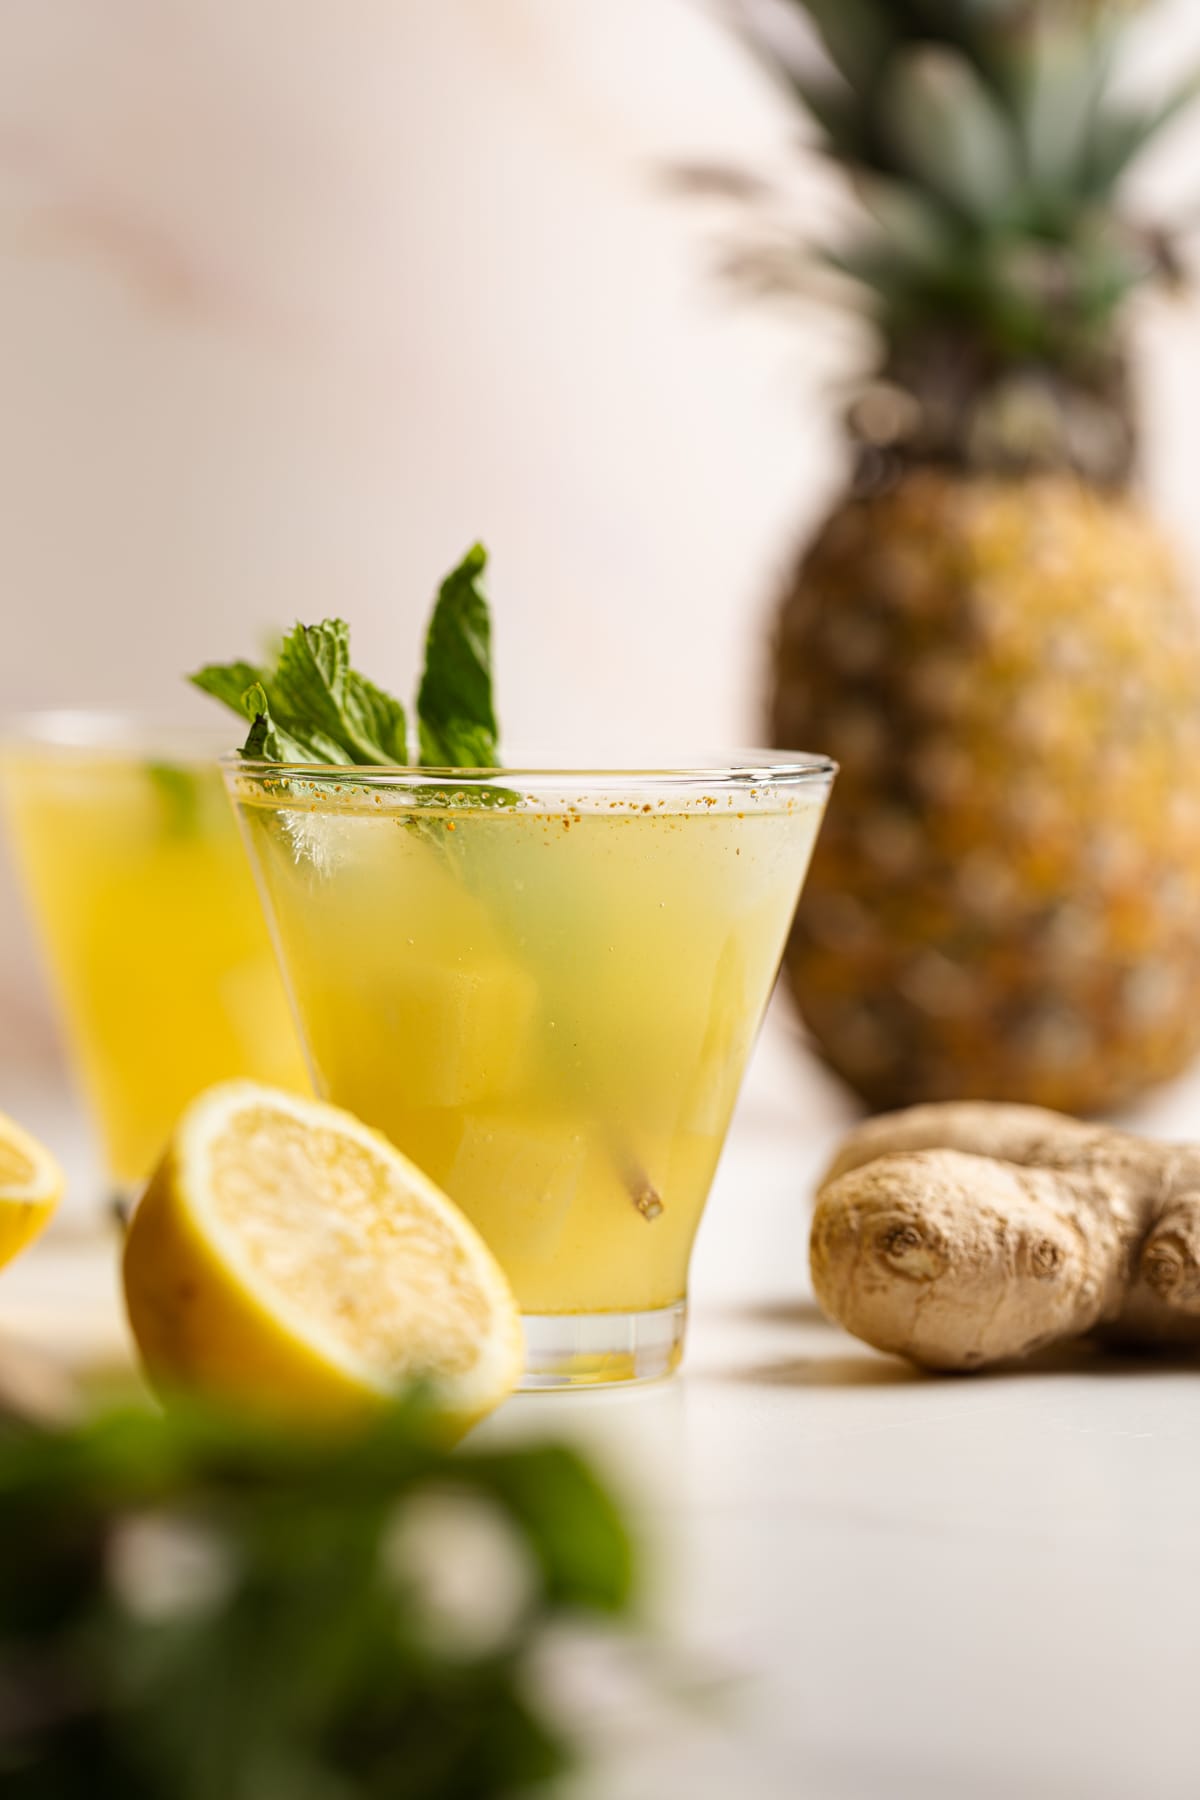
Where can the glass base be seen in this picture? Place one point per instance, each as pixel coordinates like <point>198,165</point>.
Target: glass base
<point>564,1350</point>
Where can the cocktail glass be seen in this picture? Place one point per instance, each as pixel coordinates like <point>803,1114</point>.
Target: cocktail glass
<point>152,930</point>
<point>543,986</point>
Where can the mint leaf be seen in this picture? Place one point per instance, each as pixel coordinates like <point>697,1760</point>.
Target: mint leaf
<point>455,710</point>
<point>308,684</point>
<point>180,795</point>
<point>268,742</point>
<point>312,707</point>
<point>316,698</point>
<point>227,682</point>
<point>376,718</point>
<point>263,743</point>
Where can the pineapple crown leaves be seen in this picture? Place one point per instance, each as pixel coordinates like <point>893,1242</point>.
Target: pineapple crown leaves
<point>987,145</point>
<point>1022,128</point>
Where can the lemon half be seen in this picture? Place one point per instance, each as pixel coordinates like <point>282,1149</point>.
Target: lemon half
<point>31,1186</point>
<point>286,1256</point>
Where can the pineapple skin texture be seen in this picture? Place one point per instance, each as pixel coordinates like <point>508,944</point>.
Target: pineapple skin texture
<point>1005,899</point>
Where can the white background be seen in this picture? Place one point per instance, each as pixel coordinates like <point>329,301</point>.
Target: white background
<point>297,298</point>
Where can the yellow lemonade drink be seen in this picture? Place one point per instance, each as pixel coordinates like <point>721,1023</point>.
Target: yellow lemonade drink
<point>146,907</point>
<point>545,994</point>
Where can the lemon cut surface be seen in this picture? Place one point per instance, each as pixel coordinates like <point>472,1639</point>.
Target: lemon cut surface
<point>286,1255</point>
<point>31,1186</point>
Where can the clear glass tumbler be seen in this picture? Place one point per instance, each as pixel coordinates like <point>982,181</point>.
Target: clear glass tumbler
<point>146,907</point>
<point>543,986</point>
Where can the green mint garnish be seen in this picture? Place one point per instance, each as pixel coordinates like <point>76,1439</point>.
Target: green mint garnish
<point>456,715</point>
<point>180,795</point>
<point>227,682</point>
<point>311,706</point>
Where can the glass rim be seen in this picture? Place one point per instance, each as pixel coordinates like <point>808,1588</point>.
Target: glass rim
<point>116,730</point>
<point>741,768</point>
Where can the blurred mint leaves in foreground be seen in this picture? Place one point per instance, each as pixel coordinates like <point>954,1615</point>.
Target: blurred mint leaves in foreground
<point>200,1608</point>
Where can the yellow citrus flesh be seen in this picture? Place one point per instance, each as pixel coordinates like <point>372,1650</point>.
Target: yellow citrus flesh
<point>31,1186</point>
<point>286,1256</point>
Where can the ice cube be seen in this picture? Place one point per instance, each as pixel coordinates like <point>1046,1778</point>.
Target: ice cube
<point>725,1045</point>
<point>322,839</point>
<point>469,1029</point>
<point>516,1176</point>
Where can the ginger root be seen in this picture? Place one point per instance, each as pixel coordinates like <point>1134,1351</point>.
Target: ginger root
<point>969,1234</point>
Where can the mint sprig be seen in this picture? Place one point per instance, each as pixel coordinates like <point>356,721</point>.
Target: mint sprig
<point>312,706</point>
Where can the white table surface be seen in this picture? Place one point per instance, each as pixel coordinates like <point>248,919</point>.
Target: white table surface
<point>886,1585</point>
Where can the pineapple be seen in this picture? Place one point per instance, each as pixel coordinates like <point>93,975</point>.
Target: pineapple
<point>989,633</point>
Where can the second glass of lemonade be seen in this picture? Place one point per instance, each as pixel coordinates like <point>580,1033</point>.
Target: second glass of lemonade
<point>543,987</point>
<point>146,907</point>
